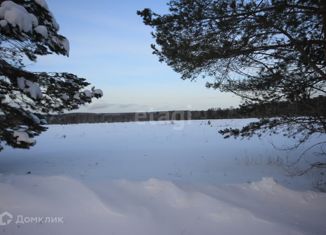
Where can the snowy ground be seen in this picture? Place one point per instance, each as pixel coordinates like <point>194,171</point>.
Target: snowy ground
<point>157,178</point>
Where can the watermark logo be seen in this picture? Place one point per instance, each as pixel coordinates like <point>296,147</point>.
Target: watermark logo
<point>178,119</point>
<point>5,218</point>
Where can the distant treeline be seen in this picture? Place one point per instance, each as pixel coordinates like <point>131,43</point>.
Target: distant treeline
<point>316,105</point>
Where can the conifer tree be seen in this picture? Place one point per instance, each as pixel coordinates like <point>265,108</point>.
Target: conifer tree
<point>28,29</point>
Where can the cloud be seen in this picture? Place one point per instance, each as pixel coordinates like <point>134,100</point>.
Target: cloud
<point>111,107</point>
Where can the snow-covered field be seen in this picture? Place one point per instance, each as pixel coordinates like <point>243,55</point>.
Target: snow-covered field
<point>158,178</point>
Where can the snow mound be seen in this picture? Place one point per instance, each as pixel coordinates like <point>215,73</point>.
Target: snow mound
<point>98,92</point>
<point>152,207</point>
<point>3,23</point>
<point>150,178</point>
<point>17,15</point>
<point>32,88</point>
<point>42,30</point>
<point>42,3</point>
<point>266,184</point>
<point>22,137</point>
<point>92,93</point>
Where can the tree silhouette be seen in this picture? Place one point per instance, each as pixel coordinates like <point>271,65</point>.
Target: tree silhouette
<point>27,30</point>
<point>263,51</point>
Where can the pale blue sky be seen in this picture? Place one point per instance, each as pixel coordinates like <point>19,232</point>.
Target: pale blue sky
<point>110,46</point>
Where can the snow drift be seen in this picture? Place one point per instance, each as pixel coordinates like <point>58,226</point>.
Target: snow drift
<point>160,207</point>
<point>156,178</point>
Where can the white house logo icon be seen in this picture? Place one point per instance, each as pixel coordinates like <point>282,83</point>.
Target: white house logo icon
<point>5,218</point>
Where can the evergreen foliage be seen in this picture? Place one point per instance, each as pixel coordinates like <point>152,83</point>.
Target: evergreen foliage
<point>28,30</point>
<point>265,51</point>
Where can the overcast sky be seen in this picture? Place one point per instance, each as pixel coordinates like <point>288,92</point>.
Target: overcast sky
<point>110,46</point>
